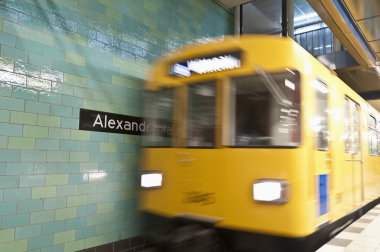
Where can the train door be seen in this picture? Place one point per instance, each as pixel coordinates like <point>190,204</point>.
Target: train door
<point>353,156</point>
<point>322,153</point>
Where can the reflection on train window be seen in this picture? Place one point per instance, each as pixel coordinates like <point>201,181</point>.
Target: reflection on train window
<point>321,117</point>
<point>265,110</point>
<point>201,115</point>
<point>351,126</point>
<point>372,135</point>
<point>158,113</point>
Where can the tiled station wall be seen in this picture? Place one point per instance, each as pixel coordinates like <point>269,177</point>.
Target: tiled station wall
<point>62,189</point>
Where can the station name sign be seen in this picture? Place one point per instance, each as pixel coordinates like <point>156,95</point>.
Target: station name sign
<point>204,65</point>
<point>92,120</point>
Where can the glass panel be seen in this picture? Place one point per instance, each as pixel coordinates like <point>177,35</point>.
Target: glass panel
<point>352,126</point>
<point>158,112</point>
<point>372,135</point>
<point>347,124</point>
<point>355,133</point>
<point>321,117</point>
<point>201,115</point>
<point>266,110</point>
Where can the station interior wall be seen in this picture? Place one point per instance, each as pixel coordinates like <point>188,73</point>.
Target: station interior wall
<point>64,189</point>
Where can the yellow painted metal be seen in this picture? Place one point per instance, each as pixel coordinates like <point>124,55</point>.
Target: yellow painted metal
<point>217,183</point>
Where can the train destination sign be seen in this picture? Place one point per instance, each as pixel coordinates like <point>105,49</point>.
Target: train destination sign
<point>92,120</point>
<point>204,65</point>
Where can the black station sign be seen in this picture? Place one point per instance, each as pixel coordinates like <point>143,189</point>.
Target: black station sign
<point>207,64</point>
<point>108,122</point>
<point>92,120</point>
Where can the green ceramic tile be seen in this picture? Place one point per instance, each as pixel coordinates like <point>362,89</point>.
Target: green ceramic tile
<point>79,200</point>
<point>73,58</point>
<point>4,115</point>
<point>42,216</point>
<point>49,121</point>
<point>56,179</point>
<point>66,213</point>
<point>63,237</point>
<point>74,245</point>
<point>14,246</point>
<point>7,235</point>
<point>21,143</point>
<point>28,231</point>
<point>23,118</point>
<point>35,131</point>
<point>44,192</point>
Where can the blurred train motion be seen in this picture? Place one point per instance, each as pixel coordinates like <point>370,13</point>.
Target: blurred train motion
<point>253,145</point>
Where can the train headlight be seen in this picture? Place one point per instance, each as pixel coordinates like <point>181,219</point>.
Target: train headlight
<point>271,191</point>
<point>151,180</point>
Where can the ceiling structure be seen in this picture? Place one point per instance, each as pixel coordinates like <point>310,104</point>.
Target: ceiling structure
<point>356,23</point>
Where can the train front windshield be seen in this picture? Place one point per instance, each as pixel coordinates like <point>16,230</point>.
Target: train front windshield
<point>263,111</point>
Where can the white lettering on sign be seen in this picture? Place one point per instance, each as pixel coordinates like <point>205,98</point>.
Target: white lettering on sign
<point>206,65</point>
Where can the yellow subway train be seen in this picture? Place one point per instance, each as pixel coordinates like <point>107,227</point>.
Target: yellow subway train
<point>253,145</point>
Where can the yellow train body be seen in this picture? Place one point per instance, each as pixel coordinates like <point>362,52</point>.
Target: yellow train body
<point>216,184</point>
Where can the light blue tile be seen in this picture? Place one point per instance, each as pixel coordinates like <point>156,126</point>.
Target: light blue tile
<point>69,145</point>
<point>77,179</point>
<point>53,227</point>
<point>32,180</point>
<point>86,210</point>
<point>17,194</point>
<point>84,233</point>
<point>33,156</point>
<point>25,93</point>
<point>72,101</point>
<point>12,104</point>
<point>69,123</point>
<point>75,223</point>
<point>69,168</point>
<point>37,107</point>
<point>10,129</point>
<point>7,208</point>
<point>45,168</point>
<point>13,53</point>
<point>48,97</point>
<point>57,110</point>
<point>47,144</point>
<point>55,248</point>
<point>90,146</point>
<point>39,60</point>
<point>4,116</point>
<point>2,166</point>
<point>27,206</point>
<point>29,45</point>
<point>10,155</point>
<point>7,39</point>
<point>5,90</point>
<point>19,168</point>
<point>40,242</point>
<point>54,203</point>
<point>27,231</point>
<point>16,220</point>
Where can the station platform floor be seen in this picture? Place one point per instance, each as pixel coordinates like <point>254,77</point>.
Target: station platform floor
<point>363,235</point>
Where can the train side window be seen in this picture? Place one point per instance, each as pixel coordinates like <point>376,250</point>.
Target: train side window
<point>351,126</point>
<point>321,117</point>
<point>201,115</point>
<point>372,135</point>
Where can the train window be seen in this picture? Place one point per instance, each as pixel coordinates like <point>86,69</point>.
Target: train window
<point>158,112</point>
<point>201,115</point>
<point>265,110</point>
<point>372,135</point>
<point>351,126</point>
<point>321,116</point>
